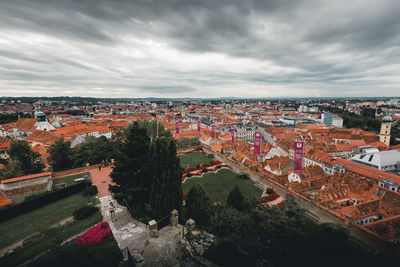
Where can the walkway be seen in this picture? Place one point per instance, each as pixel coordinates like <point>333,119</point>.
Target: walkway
<point>101,179</point>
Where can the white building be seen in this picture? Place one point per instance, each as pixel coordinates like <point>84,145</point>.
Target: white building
<point>381,160</point>
<point>337,122</point>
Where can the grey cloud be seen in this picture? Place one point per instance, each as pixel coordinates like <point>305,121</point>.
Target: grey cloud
<point>331,44</point>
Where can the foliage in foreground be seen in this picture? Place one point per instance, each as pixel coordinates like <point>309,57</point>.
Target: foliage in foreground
<point>147,171</point>
<point>262,236</point>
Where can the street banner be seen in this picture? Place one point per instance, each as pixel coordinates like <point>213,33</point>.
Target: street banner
<point>232,128</point>
<point>213,130</point>
<point>157,128</point>
<point>177,126</point>
<point>198,125</point>
<point>257,143</point>
<point>298,156</point>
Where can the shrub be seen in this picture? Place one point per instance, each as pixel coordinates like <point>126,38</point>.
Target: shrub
<point>95,235</point>
<point>269,197</point>
<point>91,190</point>
<point>269,190</point>
<point>205,170</point>
<point>188,175</point>
<point>84,212</point>
<point>244,176</point>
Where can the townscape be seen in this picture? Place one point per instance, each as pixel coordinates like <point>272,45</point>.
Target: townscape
<point>199,133</point>
<point>348,175</point>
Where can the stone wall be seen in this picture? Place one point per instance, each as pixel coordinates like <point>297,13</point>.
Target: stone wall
<point>20,189</point>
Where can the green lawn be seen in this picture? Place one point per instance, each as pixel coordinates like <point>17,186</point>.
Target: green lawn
<point>40,219</point>
<point>70,180</point>
<point>49,239</point>
<point>105,254</point>
<point>193,159</point>
<point>219,184</point>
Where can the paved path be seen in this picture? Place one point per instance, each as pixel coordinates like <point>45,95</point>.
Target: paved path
<point>101,179</point>
<point>165,250</point>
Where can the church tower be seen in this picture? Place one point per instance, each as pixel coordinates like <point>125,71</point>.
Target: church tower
<point>384,135</point>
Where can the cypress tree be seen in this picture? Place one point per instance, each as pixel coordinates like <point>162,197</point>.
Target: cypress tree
<point>198,205</point>
<point>128,172</point>
<point>236,200</point>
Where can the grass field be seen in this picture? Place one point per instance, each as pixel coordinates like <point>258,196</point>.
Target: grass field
<point>48,239</point>
<point>219,184</point>
<point>193,159</point>
<point>40,219</point>
<point>104,254</point>
<point>70,180</point>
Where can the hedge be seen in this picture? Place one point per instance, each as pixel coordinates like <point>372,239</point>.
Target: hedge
<point>40,201</point>
<point>84,212</point>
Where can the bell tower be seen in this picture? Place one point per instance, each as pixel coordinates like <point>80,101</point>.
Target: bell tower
<point>384,135</point>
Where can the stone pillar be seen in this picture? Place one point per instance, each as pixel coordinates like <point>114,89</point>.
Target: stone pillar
<point>153,228</point>
<point>190,224</point>
<point>174,217</point>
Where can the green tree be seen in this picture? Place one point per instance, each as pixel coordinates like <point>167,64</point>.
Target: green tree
<point>94,151</point>
<point>236,200</point>
<point>151,128</point>
<point>164,177</point>
<point>12,169</point>
<point>61,155</point>
<point>198,205</point>
<point>128,171</point>
<point>29,160</point>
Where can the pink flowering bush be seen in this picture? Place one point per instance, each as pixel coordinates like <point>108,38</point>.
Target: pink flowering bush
<point>95,235</point>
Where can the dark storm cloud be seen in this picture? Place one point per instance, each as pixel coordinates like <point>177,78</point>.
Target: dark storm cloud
<point>199,48</point>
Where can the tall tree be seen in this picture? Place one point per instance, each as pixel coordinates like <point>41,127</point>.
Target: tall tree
<point>165,177</point>
<point>236,200</point>
<point>94,151</point>
<point>30,161</point>
<point>128,171</point>
<point>61,155</point>
<point>198,205</point>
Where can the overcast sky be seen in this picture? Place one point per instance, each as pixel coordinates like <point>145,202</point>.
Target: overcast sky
<point>210,48</point>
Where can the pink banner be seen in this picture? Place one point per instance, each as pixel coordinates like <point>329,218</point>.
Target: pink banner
<point>298,156</point>
<point>177,126</point>
<point>232,128</point>
<point>213,130</point>
<point>257,143</point>
<point>157,128</point>
<point>198,125</point>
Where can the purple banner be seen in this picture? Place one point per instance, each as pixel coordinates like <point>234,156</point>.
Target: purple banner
<point>232,129</point>
<point>298,156</point>
<point>198,125</point>
<point>257,143</point>
<point>213,130</point>
<point>177,126</point>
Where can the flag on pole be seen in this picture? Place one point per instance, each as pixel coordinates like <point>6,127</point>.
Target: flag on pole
<point>177,127</point>
<point>257,143</point>
<point>213,130</point>
<point>232,129</point>
<point>198,125</point>
<point>298,156</point>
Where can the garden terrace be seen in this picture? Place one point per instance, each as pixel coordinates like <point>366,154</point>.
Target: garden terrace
<point>40,219</point>
<point>193,159</point>
<point>218,185</point>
